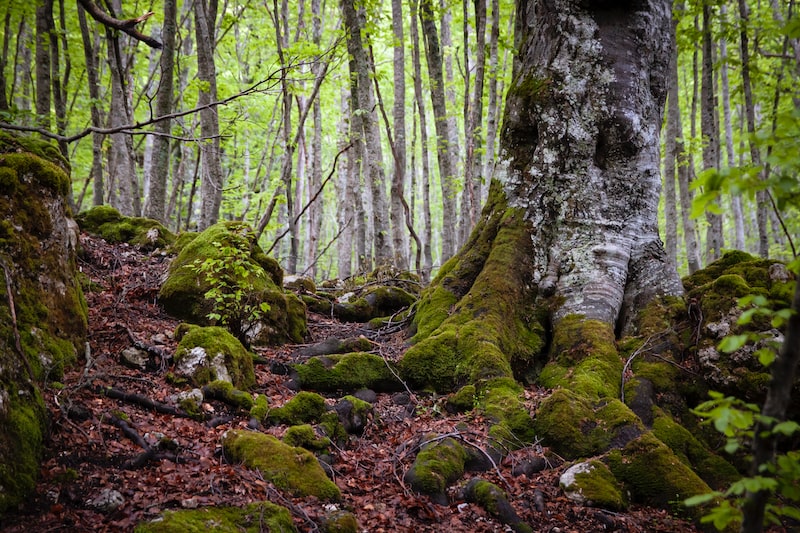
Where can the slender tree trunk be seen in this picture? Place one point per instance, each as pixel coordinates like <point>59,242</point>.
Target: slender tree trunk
<point>670,156</point>
<point>399,238</point>
<point>494,100</point>
<point>159,170</point>
<point>710,129</point>
<point>212,180</point>
<point>23,65</point>
<point>755,156</point>
<point>44,26</point>
<point>90,55</point>
<point>345,210</point>
<point>59,84</point>
<point>361,70</point>
<point>316,209</point>
<point>4,60</point>
<point>444,149</point>
<point>419,100</point>
<point>474,162</point>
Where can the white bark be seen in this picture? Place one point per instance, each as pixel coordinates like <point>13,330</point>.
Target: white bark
<point>580,153</point>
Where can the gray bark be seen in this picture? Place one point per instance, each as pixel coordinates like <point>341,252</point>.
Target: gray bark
<point>44,19</point>
<point>709,125</point>
<point>444,149</point>
<point>494,100</point>
<point>399,239</point>
<point>90,54</point>
<point>579,153</point>
<point>160,159</point>
<point>316,209</point>
<point>361,71</point>
<point>212,180</point>
<point>345,215</point>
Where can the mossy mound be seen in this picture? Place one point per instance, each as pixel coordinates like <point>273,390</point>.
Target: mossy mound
<point>293,469</point>
<point>715,291</point>
<point>592,483</point>
<point>106,222</point>
<point>303,408</point>
<point>253,518</point>
<point>224,391</point>
<point>375,302</point>
<point>303,436</point>
<point>38,241</point>
<point>206,354</point>
<point>341,522</point>
<point>576,426</point>
<point>439,463</point>
<point>494,500</point>
<point>347,372</point>
<point>183,294</point>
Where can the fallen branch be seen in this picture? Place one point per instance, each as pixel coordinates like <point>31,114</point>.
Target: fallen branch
<point>142,401</point>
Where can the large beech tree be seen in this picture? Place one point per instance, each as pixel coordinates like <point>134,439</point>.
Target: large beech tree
<point>567,253</point>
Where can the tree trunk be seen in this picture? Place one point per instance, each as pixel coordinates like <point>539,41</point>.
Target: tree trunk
<point>316,209</point>
<point>89,54</point>
<point>494,100</point>
<point>670,156</point>
<point>710,130</point>
<point>361,72</point>
<point>474,162</point>
<point>159,169</point>
<point>44,27</point>
<point>399,239</point>
<point>345,209</point>
<point>444,136</point>
<point>427,237</point>
<point>212,180</point>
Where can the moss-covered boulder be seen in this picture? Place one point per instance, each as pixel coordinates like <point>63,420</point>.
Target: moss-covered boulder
<point>183,293</point>
<point>592,483</point>
<point>494,500</point>
<point>348,372</point>
<point>206,354</point>
<point>714,292</point>
<point>48,325</point>
<point>295,470</point>
<point>106,222</point>
<point>374,302</point>
<point>304,436</point>
<point>226,392</point>
<point>353,414</point>
<point>439,463</point>
<point>253,518</point>
<point>304,407</point>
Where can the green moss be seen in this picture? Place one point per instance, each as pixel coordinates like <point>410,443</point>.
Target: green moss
<point>437,465</point>
<point>293,469</point>
<point>494,500</point>
<point>500,399</point>
<point>333,428</point>
<point>181,240</point>
<point>463,399</point>
<point>253,518</point>
<point>215,340</point>
<point>575,426</point>
<point>662,375</point>
<point>108,223</point>
<point>341,522</point>
<point>712,468</point>
<point>183,292</point>
<point>21,447</point>
<point>715,269</point>
<point>225,391</point>
<point>260,408</point>
<point>601,488</point>
<point>191,407</point>
<point>432,362</point>
<point>655,475</point>
<point>347,372</point>
<point>29,166</point>
<point>304,407</point>
<point>303,436</point>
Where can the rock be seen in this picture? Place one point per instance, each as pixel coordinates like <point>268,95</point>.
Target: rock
<point>494,500</point>
<point>206,354</point>
<point>340,521</point>
<point>348,372</point>
<point>106,222</point>
<point>438,464</point>
<point>135,358</point>
<point>108,500</point>
<point>353,414</point>
<point>299,284</point>
<point>368,395</point>
<point>529,466</point>
<point>592,483</point>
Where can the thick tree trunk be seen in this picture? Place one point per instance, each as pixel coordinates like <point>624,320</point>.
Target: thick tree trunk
<point>580,151</point>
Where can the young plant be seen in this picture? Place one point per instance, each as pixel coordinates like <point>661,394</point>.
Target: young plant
<point>233,279</point>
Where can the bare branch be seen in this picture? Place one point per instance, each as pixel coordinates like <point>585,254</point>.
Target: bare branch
<point>127,26</point>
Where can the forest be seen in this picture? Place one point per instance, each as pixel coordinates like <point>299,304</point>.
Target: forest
<point>535,229</point>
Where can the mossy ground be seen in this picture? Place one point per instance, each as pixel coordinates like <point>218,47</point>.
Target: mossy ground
<point>293,469</point>
<point>254,518</point>
<point>304,407</point>
<point>106,222</point>
<point>347,372</point>
<point>38,245</point>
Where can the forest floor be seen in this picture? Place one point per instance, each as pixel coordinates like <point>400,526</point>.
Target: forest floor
<point>85,440</point>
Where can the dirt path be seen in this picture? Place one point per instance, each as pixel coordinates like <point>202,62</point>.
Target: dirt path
<point>89,453</point>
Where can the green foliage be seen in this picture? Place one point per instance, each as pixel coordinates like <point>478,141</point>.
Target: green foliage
<point>230,275</point>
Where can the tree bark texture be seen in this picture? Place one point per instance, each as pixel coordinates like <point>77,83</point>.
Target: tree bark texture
<point>580,152</point>
<point>399,239</point>
<point>709,126</point>
<point>89,53</point>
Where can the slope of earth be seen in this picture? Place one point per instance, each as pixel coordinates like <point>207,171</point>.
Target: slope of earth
<point>97,476</point>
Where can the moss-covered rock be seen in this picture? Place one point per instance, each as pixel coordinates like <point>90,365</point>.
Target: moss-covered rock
<point>106,222</point>
<point>303,436</point>
<point>438,464</point>
<point>224,391</point>
<point>592,483</point>
<point>253,518</point>
<point>295,470</point>
<point>183,293</point>
<point>260,408</point>
<point>38,242</point>
<point>347,372</point>
<point>340,522</point>
<point>376,301</point>
<point>303,408</point>
<point>353,414</point>
<point>462,400</point>
<point>494,500</point>
<point>206,354</point>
